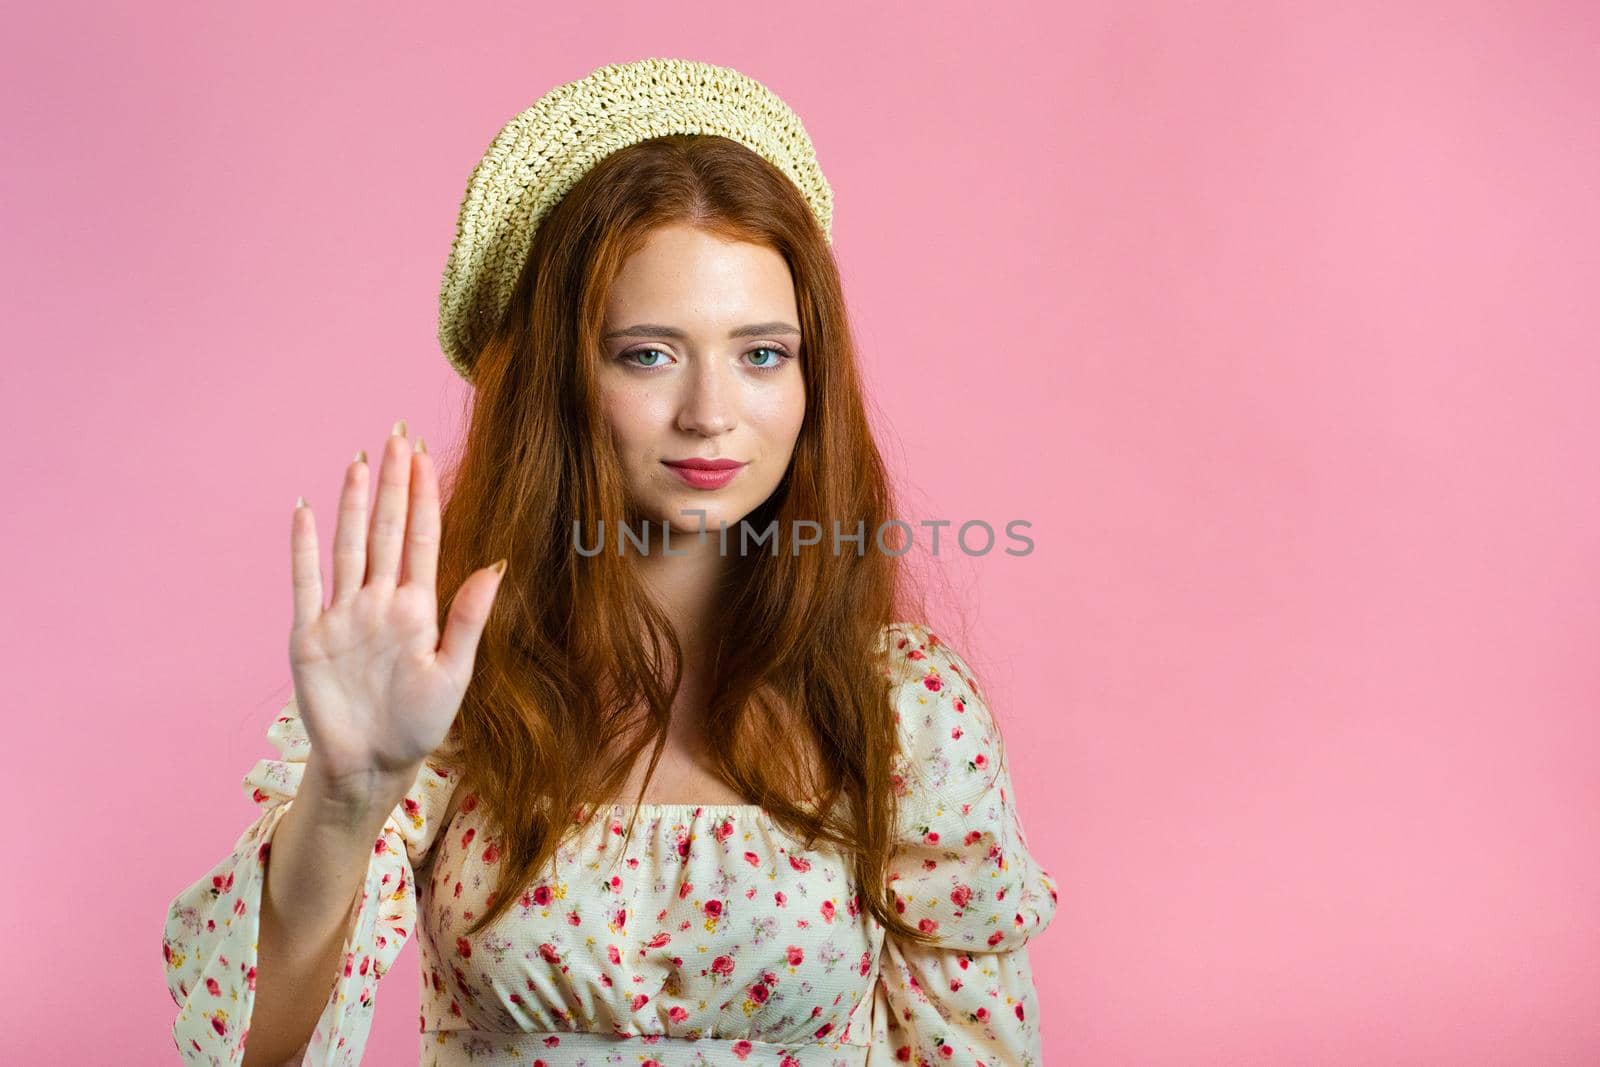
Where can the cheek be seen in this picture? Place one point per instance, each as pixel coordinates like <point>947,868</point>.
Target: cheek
<point>631,417</point>
<point>779,412</point>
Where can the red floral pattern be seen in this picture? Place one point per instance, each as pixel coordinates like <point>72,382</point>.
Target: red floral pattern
<point>710,935</point>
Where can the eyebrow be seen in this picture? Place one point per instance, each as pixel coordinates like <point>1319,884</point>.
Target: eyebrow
<point>648,329</point>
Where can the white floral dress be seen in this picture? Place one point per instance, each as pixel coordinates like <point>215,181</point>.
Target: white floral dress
<point>711,938</point>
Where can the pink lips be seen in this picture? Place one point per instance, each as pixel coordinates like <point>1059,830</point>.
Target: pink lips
<point>705,473</point>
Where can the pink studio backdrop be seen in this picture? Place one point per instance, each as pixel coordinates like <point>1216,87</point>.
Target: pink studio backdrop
<point>1276,321</point>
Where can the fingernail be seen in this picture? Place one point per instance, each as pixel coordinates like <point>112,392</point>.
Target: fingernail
<point>421,445</point>
<point>499,567</point>
<point>399,428</point>
<point>361,455</point>
<point>299,502</point>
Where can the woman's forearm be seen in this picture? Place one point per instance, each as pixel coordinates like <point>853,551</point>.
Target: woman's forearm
<point>316,868</point>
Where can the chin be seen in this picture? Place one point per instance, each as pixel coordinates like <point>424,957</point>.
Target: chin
<point>690,523</point>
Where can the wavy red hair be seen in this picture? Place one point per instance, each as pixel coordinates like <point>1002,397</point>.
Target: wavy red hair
<point>578,666</point>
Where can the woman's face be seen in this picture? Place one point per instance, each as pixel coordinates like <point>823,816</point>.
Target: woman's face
<point>700,361</point>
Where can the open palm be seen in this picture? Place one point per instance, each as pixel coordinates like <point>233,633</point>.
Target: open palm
<point>376,687</point>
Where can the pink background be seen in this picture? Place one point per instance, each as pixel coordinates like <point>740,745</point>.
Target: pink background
<point>1277,321</point>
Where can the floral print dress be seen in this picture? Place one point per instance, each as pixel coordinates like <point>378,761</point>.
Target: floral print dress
<point>709,937</point>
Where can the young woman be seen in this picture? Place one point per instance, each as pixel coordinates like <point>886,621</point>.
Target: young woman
<point>687,782</point>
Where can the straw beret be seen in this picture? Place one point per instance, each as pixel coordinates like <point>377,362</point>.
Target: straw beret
<point>542,153</point>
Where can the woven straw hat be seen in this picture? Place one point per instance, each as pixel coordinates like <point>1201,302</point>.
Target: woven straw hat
<point>541,153</point>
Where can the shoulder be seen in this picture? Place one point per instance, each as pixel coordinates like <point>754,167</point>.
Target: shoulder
<point>950,745</point>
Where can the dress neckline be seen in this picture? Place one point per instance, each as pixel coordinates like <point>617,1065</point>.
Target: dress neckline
<point>677,807</point>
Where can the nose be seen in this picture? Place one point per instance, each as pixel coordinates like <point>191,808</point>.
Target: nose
<point>707,406</point>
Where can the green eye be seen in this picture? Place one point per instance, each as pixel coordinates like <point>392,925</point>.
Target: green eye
<point>780,357</point>
<point>644,352</point>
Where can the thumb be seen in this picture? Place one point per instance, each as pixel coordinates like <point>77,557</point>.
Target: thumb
<point>469,614</point>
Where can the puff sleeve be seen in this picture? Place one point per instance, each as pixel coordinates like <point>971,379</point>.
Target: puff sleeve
<point>963,873</point>
<point>212,926</point>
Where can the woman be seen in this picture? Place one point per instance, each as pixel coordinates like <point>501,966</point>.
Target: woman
<point>819,859</point>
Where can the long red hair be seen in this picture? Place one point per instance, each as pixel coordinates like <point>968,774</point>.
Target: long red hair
<point>577,669</point>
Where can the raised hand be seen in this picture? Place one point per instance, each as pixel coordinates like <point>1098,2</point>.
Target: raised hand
<point>376,687</point>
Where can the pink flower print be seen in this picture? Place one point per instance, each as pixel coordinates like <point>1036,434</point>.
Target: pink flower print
<point>796,954</point>
<point>213,988</point>
<point>759,994</point>
<point>927,926</point>
<point>1019,1013</point>
<point>463,949</point>
<point>982,1015</point>
<point>995,938</point>
<point>955,733</point>
<point>827,910</point>
<point>639,1001</point>
<point>722,965</point>
<point>961,705</point>
<point>788,1061</point>
<point>413,810</point>
<point>677,1014</point>
<point>683,846</point>
<point>615,885</point>
<point>573,919</point>
<point>613,955</point>
<point>866,964</point>
<point>931,837</point>
<point>779,899</point>
<point>713,908</point>
<point>932,682</point>
<point>684,890</point>
<point>972,837</point>
<point>548,952</point>
<point>752,859</point>
<point>824,1030</point>
<point>542,896</point>
<point>659,940</point>
<point>491,853</point>
<point>742,1049</point>
<point>961,896</point>
<point>799,863</point>
<point>980,761</point>
<point>724,830</point>
<point>466,838</point>
<point>469,803</point>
